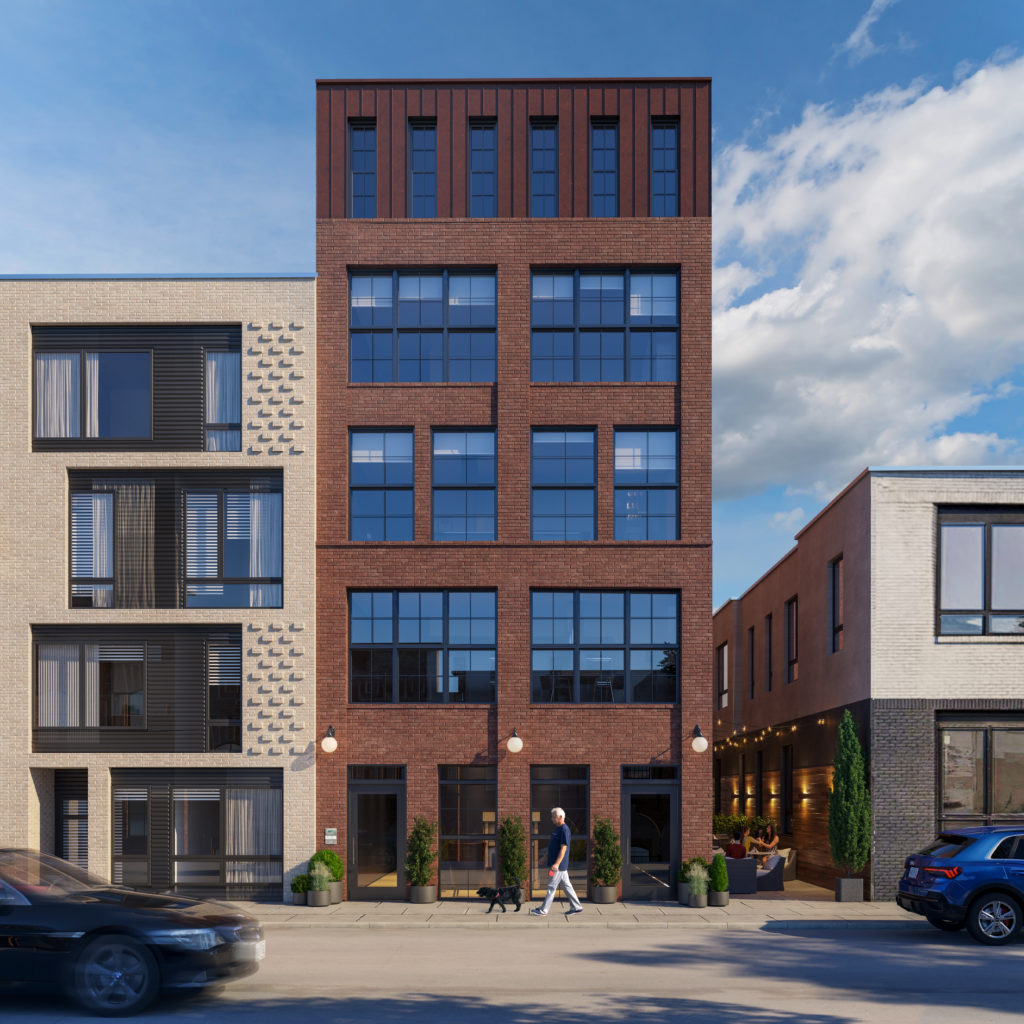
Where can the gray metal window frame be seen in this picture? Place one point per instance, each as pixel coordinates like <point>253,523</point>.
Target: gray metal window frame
<point>563,486</point>
<point>435,487</point>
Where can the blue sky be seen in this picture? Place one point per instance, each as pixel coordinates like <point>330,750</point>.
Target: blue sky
<point>869,189</point>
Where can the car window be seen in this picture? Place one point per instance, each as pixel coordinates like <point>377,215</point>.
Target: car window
<point>947,846</point>
<point>37,874</point>
<point>1004,851</point>
<point>10,897</point>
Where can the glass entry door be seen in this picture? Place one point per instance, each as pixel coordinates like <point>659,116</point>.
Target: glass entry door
<point>376,853</point>
<point>650,842</point>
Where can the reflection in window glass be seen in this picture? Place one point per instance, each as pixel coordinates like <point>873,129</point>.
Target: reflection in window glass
<point>1008,771</point>
<point>467,806</point>
<point>963,771</point>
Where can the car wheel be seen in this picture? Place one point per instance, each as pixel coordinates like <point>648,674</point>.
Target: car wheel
<point>943,925</point>
<point>116,976</point>
<point>994,919</point>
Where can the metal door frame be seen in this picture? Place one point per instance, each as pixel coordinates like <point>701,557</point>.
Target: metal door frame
<point>394,787</point>
<point>671,789</point>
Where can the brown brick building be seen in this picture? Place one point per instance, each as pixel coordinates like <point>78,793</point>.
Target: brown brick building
<point>513,506</point>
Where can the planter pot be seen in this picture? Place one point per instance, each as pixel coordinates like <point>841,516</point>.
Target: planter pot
<point>334,888</point>
<point>683,891</point>
<point>299,898</point>
<point>718,899</point>
<point>604,893</point>
<point>700,901</point>
<point>849,890</point>
<point>422,893</point>
<point>318,899</point>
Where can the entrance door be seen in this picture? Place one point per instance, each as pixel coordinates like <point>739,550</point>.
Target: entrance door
<point>376,844</point>
<point>650,842</point>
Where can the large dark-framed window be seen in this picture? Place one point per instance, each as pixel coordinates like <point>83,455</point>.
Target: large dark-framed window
<point>543,168</point>
<point>381,485</point>
<point>980,770</point>
<point>604,646</point>
<point>769,654</point>
<point>835,605</point>
<point>234,547</point>
<point>137,688</point>
<point>136,387</point>
<point>722,675</point>
<point>483,169</point>
<point>431,326</point>
<point>198,831</point>
<point>464,479</point>
<point>646,485</point>
<point>175,539</point>
<point>792,641</point>
<point>563,475</point>
<point>608,325</point>
<point>981,572</point>
<point>566,786</point>
<point>422,168</point>
<point>423,646</point>
<point>604,167</point>
<point>664,167</point>
<point>362,148</point>
<point>468,811</point>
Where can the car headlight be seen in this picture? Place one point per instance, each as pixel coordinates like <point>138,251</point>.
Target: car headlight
<point>190,938</point>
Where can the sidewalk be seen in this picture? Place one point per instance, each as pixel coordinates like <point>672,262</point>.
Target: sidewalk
<point>744,913</point>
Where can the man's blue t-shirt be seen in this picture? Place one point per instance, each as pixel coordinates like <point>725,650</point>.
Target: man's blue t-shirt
<point>559,838</point>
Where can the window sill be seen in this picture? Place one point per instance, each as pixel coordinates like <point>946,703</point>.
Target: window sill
<point>991,638</point>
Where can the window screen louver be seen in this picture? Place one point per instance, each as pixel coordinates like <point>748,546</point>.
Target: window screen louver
<point>224,664</point>
<point>58,695</point>
<point>201,530</point>
<point>92,536</point>
<point>75,832</point>
<point>120,652</point>
<point>123,795</point>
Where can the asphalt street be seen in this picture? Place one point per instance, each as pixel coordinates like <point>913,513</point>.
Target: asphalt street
<point>555,976</point>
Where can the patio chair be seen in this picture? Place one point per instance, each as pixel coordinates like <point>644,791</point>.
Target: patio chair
<point>742,875</point>
<point>789,855</point>
<point>769,878</point>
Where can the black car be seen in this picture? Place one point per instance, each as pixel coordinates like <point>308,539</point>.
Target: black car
<point>114,949</point>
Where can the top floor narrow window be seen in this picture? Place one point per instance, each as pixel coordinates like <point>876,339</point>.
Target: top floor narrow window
<point>363,164</point>
<point>792,637</point>
<point>483,169</point>
<point>422,169</point>
<point>981,572</point>
<point>722,674</point>
<point>223,392</point>
<point>604,168</point>
<point>665,167</point>
<point>544,169</point>
<point>835,604</point>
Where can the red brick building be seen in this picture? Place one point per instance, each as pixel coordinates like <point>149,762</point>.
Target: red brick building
<point>513,499</point>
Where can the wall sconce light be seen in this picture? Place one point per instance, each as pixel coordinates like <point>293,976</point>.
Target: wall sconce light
<point>329,744</point>
<point>804,796</point>
<point>700,743</point>
<point>514,744</point>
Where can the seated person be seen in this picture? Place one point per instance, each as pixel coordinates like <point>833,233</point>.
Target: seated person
<point>769,841</point>
<point>736,849</point>
<point>746,838</point>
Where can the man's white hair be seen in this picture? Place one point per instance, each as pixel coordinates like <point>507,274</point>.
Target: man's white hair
<point>557,812</point>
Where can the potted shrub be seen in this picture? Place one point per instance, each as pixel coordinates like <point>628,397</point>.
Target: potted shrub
<point>419,860</point>
<point>335,865</point>
<point>319,885</point>
<point>607,862</point>
<point>698,875</point>
<point>512,852</point>
<point>300,887</point>
<point>683,890</point>
<point>849,812</point>
<point>718,882</point>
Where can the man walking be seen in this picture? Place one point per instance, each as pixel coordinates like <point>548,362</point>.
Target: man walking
<point>558,866</point>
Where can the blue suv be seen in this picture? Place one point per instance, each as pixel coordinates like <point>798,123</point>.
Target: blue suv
<point>971,877</point>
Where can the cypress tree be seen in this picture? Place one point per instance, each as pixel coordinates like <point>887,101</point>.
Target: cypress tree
<point>849,803</point>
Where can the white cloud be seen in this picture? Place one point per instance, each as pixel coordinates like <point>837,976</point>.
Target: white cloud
<point>859,45</point>
<point>903,218</point>
<point>789,521</point>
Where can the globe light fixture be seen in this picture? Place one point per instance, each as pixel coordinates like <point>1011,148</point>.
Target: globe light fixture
<point>329,744</point>
<point>700,743</point>
<point>514,744</point>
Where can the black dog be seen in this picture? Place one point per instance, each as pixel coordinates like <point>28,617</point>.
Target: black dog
<point>511,893</point>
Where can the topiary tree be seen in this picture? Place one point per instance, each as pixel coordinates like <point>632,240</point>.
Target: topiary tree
<point>419,851</point>
<point>849,803</point>
<point>330,860</point>
<point>607,853</point>
<point>512,850</point>
<point>718,876</point>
